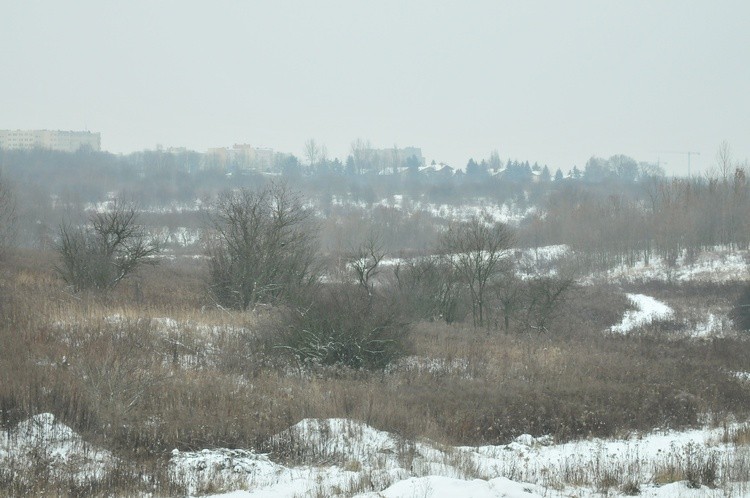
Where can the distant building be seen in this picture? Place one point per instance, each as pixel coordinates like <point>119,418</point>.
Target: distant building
<point>65,141</point>
<point>246,156</point>
<point>240,156</point>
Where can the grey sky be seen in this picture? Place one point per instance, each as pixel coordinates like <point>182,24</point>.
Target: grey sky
<point>554,82</point>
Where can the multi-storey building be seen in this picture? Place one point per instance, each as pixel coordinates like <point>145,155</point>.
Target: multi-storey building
<point>66,141</point>
<point>240,156</point>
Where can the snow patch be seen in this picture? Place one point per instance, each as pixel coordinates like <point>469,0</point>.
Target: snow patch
<point>447,487</point>
<point>43,441</point>
<point>649,309</point>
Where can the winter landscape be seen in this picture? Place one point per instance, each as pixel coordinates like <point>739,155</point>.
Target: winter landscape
<point>466,347</point>
<point>423,249</point>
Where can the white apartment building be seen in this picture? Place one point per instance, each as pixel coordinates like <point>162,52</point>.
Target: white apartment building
<point>66,141</point>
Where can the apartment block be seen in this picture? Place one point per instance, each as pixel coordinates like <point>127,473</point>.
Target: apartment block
<point>65,141</point>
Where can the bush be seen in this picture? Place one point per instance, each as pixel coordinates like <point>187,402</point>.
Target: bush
<point>109,249</point>
<point>428,288</point>
<point>346,326</point>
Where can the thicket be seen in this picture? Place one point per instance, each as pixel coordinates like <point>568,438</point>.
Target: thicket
<point>668,219</point>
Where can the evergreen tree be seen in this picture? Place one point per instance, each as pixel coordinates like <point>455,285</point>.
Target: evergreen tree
<point>545,177</point>
<point>350,167</point>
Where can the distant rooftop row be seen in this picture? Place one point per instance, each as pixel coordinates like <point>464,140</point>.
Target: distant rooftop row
<point>240,156</point>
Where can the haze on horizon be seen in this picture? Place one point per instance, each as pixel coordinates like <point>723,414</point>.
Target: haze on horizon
<point>552,82</point>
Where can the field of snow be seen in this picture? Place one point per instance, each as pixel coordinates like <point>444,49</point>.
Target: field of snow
<point>340,457</point>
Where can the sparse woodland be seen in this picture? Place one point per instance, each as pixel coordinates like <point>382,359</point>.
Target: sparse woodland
<point>155,307</point>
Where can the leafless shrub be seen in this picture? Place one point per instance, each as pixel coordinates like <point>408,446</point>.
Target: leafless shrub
<point>429,290</point>
<point>346,326</point>
<point>111,248</point>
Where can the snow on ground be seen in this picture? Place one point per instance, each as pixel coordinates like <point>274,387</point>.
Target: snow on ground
<point>718,265</point>
<point>509,213</point>
<point>712,326</point>
<point>649,309</point>
<point>159,324</point>
<point>433,366</point>
<point>43,442</point>
<point>177,236</point>
<point>447,487</point>
<point>504,213</point>
<point>341,457</point>
<point>171,207</point>
<point>345,457</point>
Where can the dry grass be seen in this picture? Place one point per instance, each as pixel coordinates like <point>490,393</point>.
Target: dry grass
<point>124,377</point>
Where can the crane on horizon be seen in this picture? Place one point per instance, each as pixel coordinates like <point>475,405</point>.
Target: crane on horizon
<point>688,153</point>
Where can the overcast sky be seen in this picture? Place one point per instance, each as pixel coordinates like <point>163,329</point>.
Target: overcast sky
<point>554,82</point>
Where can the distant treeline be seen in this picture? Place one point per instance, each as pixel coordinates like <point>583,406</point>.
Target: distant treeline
<point>614,210</point>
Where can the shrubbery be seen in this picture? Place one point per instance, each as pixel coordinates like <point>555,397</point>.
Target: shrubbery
<point>347,327</point>
<point>101,254</point>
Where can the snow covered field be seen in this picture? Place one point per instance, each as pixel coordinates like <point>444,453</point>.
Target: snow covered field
<point>340,457</point>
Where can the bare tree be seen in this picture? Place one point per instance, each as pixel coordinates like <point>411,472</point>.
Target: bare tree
<point>509,293</point>
<point>428,289</point>
<point>261,247</point>
<point>478,251</point>
<point>366,260</point>
<point>724,161</point>
<point>546,296</point>
<point>312,152</point>
<point>361,152</point>
<point>7,215</point>
<point>107,250</point>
